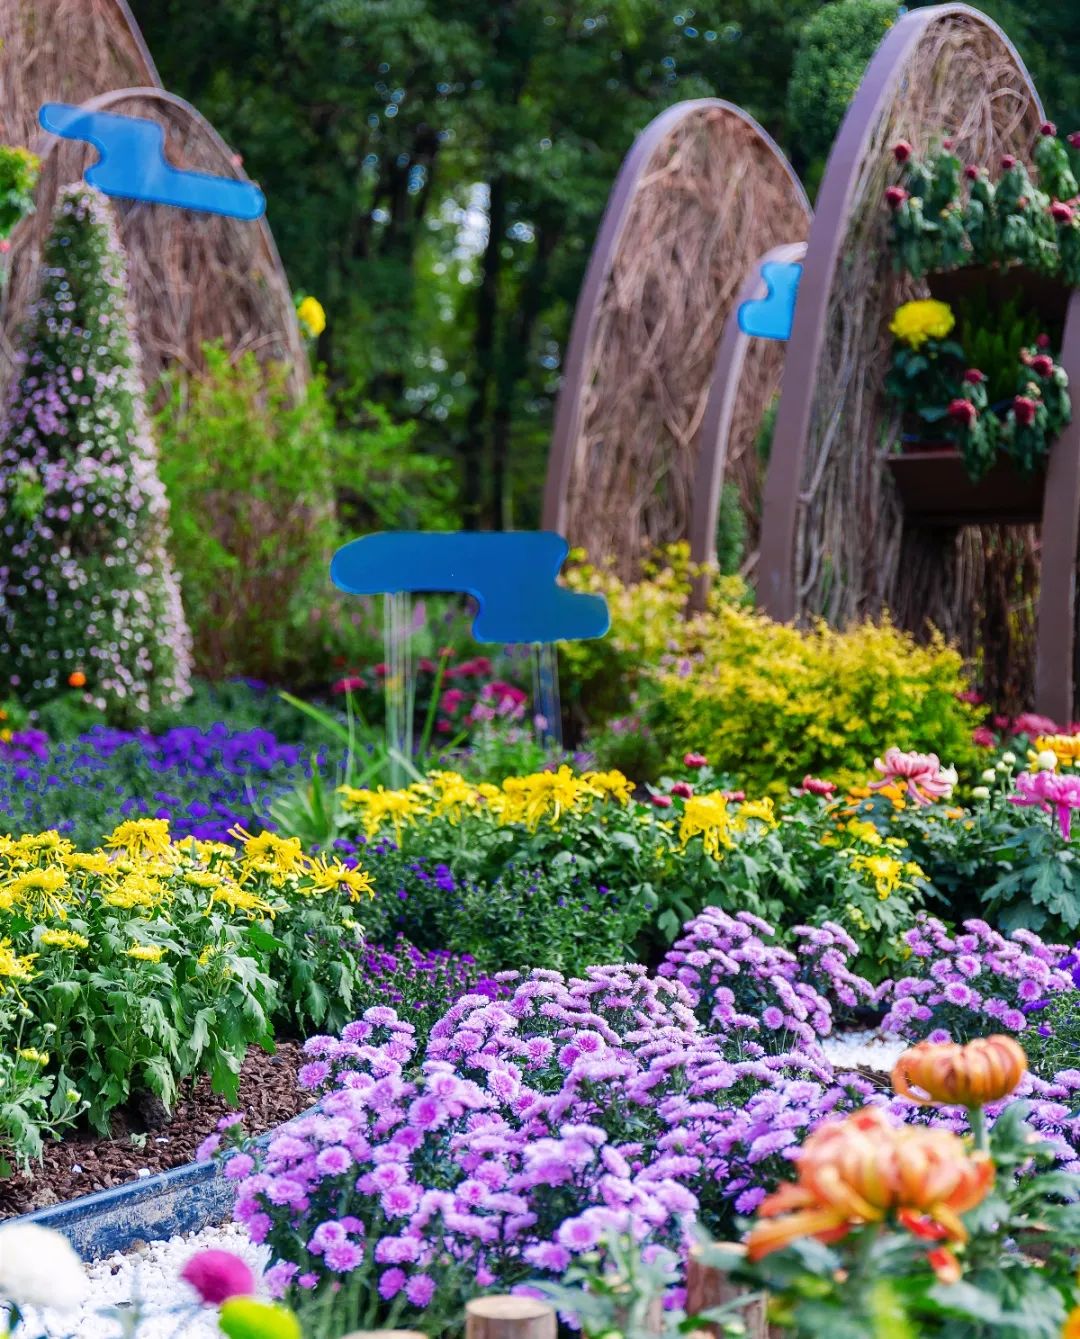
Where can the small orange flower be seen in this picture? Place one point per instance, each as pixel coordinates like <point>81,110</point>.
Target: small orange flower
<point>965,1076</point>
<point>861,1170</point>
<point>1072,1325</point>
<point>77,679</point>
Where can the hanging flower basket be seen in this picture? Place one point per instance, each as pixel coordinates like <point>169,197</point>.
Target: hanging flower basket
<point>935,488</point>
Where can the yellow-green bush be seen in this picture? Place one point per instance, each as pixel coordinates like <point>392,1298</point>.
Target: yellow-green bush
<point>765,702</point>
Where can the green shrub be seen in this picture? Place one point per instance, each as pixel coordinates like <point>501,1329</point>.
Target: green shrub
<point>248,475</point>
<point>252,477</point>
<point>769,703</point>
<point>87,594</point>
<point>19,170</point>
<point>834,48</point>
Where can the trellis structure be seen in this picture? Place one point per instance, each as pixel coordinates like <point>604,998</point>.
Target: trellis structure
<point>702,195</point>
<point>834,538</point>
<point>194,277</point>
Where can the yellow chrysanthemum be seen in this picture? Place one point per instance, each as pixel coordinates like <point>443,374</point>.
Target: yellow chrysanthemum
<point>14,966</point>
<point>708,817</point>
<point>146,952</point>
<point>611,784</point>
<point>329,876</point>
<point>141,837</point>
<point>400,807</point>
<point>925,318</point>
<point>760,810</point>
<point>241,899</point>
<point>280,858</point>
<point>311,316</point>
<point>87,862</point>
<point>543,795</point>
<point>1066,748</point>
<point>63,939</point>
<point>137,890</point>
<point>33,1055</point>
<point>36,892</point>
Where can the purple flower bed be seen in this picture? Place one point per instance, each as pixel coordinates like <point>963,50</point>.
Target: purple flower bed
<point>972,983</point>
<point>524,1130</point>
<point>204,781</point>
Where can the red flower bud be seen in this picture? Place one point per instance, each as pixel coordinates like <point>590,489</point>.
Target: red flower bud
<point>974,377</point>
<point>661,801</point>
<point>734,796</point>
<point>683,789</point>
<point>1060,212</point>
<point>1043,364</point>
<point>947,143</point>
<point>963,411</point>
<point>5,246</point>
<point>895,196</point>
<point>1024,409</point>
<point>901,150</point>
<point>1022,202</point>
<point>1048,128</point>
<point>813,785</point>
<point>695,760</point>
<point>1074,139</point>
<point>1008,161</point>
<point>1043,341</point>
<point>972,171</point>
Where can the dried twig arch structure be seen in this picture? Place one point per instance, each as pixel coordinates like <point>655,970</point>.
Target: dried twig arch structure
<point>194,277</point>
<point>834,540</point>
<point>701,196</point>
<point>65,51</point>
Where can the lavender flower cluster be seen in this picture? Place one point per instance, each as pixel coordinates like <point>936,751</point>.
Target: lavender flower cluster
<point>965,985</point>
<point>742,983</point>
<point>524,1130</point>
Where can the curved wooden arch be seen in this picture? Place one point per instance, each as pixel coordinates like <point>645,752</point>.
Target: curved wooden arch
<point>701,195</point>
<point>193,277</point>
<point>833,535</point>
<point>65,51</point>
<point>728,395</point>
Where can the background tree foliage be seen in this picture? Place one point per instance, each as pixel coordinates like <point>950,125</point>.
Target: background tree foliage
<point>436,171</point>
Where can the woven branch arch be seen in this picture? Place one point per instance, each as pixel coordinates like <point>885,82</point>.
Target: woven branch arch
<point>833,538</point>
<point>702,194</point>
<point>194,277</point>
<point>65,51</point>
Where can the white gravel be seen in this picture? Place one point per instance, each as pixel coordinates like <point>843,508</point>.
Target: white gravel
<point>870,1048</point>
<point>152,1274</point>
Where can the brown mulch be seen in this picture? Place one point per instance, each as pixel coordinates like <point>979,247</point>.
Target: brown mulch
<point>145,1138</point>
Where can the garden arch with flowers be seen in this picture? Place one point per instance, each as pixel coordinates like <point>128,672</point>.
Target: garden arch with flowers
<point>193,277</point>
<point>702,195</point>
<point>838,540</point>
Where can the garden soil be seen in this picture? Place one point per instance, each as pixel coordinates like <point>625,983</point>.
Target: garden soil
<point>153,1141</point>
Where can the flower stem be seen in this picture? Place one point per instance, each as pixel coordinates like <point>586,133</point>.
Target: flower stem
<point>977,1121</point>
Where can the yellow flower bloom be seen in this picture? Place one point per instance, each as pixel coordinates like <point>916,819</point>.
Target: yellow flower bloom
<point>279,857</point>
<point>1066,748</point>
<point>543,795</point>
<point>137,890</point>
<point>141,837</point>
<point>33,1055</point>
<point>146,952</point>
<point>761,810</point>
<point>330,876</point>
<point>49,840</point>
<point>311,316</point>
<point>611,784</point>
<point>886,871</point>
<point>708,817</point>
<point>36,892</point>
<point>88,862</point>
<point>63,939</point>
<point>925,318</point>
<point>241,899</point>
<point>12,965</point>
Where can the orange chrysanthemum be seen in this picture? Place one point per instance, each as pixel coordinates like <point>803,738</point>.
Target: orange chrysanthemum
<point>861,1170</point>
<point>983,1071</point>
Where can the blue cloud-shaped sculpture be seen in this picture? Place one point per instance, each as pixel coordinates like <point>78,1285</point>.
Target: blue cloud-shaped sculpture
<point>133,164</point>
<point>771,317</point>
<point>511,575</point>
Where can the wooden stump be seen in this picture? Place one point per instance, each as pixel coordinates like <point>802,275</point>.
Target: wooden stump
<point>507,1317</point>
<point>707,1287</point>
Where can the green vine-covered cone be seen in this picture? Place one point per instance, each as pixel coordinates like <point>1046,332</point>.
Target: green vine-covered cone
<point>88,597</point>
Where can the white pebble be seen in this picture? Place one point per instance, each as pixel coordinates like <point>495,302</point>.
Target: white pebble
<point>150,1273</point>
<point>868,1047</point>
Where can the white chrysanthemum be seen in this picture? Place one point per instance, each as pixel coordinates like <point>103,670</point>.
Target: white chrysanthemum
<point>39,1268</point>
